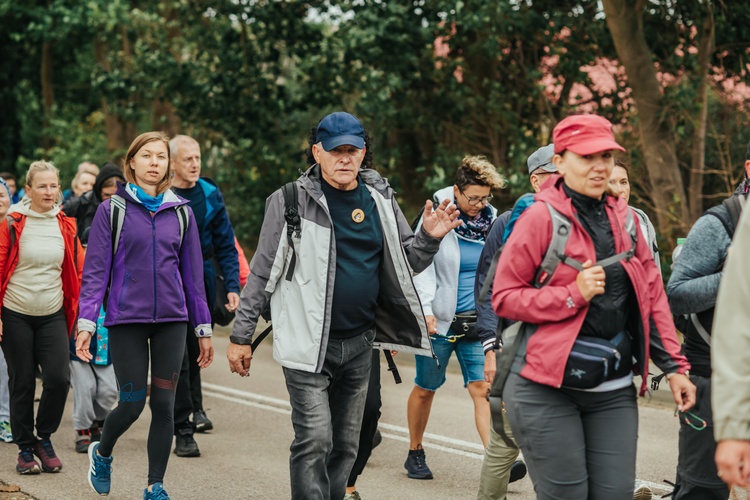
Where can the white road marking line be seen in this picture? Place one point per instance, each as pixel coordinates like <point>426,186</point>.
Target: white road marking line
<point>282,406</point>
<point>433,446</point>
<point>286,407</point>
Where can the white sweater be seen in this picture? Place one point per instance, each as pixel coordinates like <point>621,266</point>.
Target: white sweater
<point>35,287</point>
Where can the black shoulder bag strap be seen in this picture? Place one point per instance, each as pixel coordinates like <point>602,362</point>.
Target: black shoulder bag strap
<point>293,223</point>
<point>392,366</point>
<point>261,337</point>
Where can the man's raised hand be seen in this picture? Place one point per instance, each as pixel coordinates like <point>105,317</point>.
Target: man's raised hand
<point>442,220</point>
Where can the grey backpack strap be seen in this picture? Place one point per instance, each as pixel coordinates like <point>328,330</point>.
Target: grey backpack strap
<point>117,207</point>
<point>699,328</point>
<point>183,216</point>
<point>556,251</point>
<point>490,276</point>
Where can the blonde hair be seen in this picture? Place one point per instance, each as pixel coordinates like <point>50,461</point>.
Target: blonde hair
<point>136,146</point>
<point>477,170</point>
<point>77,178</point>
<point>42,166</point>
<point>88,167</point>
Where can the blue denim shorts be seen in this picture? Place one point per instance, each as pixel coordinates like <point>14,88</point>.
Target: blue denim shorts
<point>470,356</point>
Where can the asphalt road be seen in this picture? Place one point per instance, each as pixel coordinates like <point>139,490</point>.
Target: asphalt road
<point>246,455</point>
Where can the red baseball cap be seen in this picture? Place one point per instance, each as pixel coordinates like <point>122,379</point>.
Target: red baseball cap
<point>584,135</point>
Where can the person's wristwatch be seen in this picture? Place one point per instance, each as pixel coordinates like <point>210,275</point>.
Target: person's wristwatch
<point>686,373</point>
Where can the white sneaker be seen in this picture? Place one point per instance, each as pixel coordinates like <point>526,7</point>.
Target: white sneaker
<point>5,434</point>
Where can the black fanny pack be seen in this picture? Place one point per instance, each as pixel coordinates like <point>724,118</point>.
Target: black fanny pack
<point>463,324</point>
<point>593,361</point>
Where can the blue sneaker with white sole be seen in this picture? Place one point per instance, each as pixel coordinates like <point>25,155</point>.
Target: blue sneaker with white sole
<point>100,470</point>
<point>157,493</point>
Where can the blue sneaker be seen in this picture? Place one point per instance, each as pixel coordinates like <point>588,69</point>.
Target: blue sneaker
<point>100,470</point>
<point>157,493</point>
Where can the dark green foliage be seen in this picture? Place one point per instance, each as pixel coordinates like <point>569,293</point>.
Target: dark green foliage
<point>248,79</point>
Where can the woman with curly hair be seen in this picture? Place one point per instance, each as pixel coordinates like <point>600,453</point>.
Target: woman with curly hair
<point>446,290</point>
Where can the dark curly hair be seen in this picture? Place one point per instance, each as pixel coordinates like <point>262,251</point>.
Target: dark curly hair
<point>366,162</point>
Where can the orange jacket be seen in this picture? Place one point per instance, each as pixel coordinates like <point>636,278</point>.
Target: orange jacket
<point>244,268</point>
<point>72,265</point>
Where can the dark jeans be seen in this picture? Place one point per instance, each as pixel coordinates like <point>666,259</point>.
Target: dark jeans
<point>327,412</point>
<point>577,444</point>
<point>696,469</point>
<point>131,345</point>
<point>369,420</point>
<point>29,341</point>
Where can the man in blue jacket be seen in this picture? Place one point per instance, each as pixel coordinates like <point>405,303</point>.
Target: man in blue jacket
<point>217,242</point>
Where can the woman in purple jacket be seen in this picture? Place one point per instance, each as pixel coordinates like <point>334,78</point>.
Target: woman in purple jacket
<point>151,283</point>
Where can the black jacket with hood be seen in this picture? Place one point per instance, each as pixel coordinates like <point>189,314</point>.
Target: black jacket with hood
<point>84,207</point>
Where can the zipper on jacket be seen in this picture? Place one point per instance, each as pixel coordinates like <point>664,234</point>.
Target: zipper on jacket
<point>594,345</point>
<point>153,247</point>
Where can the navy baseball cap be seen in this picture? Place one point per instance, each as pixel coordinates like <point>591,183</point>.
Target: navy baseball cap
<point>339,129</point>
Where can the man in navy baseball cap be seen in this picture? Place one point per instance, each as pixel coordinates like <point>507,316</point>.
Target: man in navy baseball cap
<point>340,129</point>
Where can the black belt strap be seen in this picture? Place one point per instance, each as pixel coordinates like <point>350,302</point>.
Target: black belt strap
<point>260,337</point>
<point>392,366</point>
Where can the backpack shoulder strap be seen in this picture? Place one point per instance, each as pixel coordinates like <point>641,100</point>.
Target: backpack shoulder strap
<point>556,251</point>
<point>183,216</point>
<point>728,213</point>
<point>293,222</point>
<point>117,206</point>
<point>11,231</point>
<point>734,205</point>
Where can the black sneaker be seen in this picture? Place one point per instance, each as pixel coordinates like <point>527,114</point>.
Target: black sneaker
<point>83,440</point>
<point>517,471</point>
<point>377,438</point>
<point>185,446</point>
<point>416,465</point>
<point>201,422</point>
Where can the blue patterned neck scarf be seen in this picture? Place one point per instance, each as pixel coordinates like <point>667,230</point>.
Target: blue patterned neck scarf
<point>475,229</point>
<point>152,203</point>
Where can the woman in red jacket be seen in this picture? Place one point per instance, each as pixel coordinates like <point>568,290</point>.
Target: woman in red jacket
<point>40,261</point>
<point>570,396</point>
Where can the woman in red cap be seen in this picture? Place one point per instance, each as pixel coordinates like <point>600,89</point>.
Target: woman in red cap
<point>588,325</point>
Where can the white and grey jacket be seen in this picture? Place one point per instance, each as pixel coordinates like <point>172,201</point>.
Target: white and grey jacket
<point>438,284</point>
<point>301,307</point>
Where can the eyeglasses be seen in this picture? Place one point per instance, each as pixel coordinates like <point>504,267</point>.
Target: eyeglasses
<point>345,150</point>
<point>474,201</point>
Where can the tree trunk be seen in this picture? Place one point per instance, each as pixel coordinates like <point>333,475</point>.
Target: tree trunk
<point>624,20</point>
<point>165,118</point>
<point>119,131</point>
<point>705,50</point>
<point>48,91</point>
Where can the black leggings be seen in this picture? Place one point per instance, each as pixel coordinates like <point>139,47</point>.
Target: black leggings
<point>129,346</point>
<point>29,341</point>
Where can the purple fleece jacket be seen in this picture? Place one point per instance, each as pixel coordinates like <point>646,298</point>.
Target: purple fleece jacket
<point>154,279</point>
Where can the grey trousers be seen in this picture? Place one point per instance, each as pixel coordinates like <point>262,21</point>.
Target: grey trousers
<point>4,390</point>
<point>498,460</point>
<point>327,409</point>
<point>94,392</point>
<point>577,445</point>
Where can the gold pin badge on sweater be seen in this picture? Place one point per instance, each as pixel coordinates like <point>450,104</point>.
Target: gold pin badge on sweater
<point>358,215</point>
